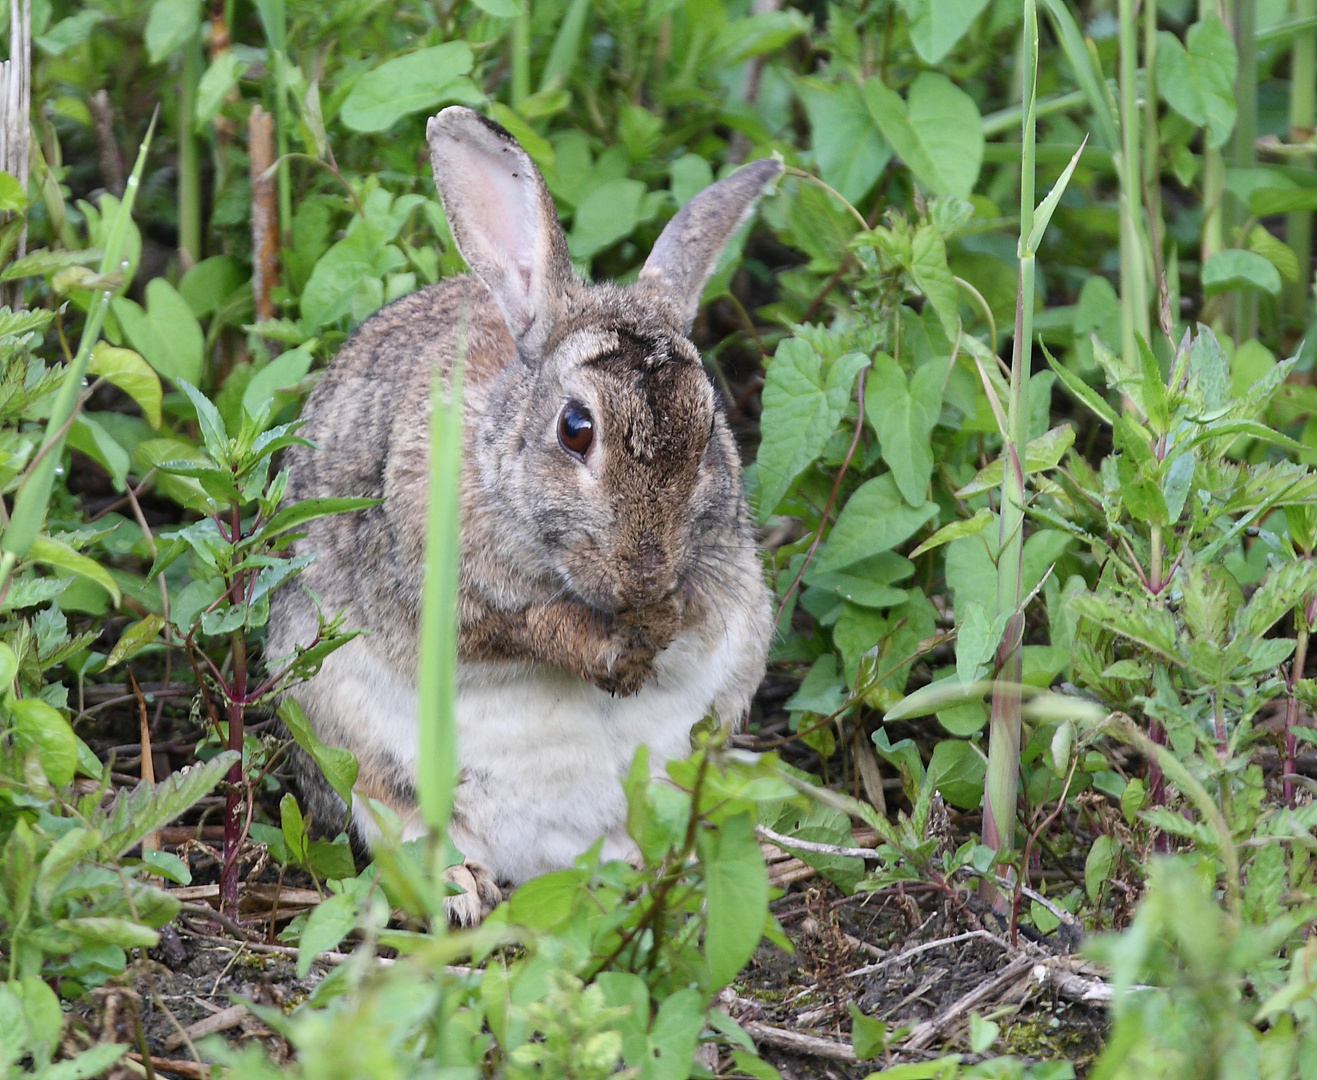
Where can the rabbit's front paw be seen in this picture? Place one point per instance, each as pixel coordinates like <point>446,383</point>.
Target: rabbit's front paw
<point>480,897</point>
<point>627,672</point>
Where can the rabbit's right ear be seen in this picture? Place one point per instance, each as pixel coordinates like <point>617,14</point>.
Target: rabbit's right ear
<point>501,214</point>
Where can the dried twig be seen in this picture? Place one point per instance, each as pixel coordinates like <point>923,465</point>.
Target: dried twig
<point>924,1033</point>
<point>955,939</point>
<point>800,1043</point>
<point>265,212</point>
<point>788,842</point>
<point>209,1025</point>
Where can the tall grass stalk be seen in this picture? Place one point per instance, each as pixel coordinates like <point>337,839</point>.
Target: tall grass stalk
<point>436,776</point>
<point>1246,132</point>
<point>1004,730</point>
<point>1303,119</point>
<point>33,497</point>
<point>1133,251</point>
<point>189,160</point>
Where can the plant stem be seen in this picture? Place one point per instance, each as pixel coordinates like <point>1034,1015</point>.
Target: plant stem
<point>233,800</point>
<point>189,161</point>
<point>1302,617</point>
<point>1133,257</point>
<point>1246,131</point>
<point>1303,118</point>
<point>1002,778</point>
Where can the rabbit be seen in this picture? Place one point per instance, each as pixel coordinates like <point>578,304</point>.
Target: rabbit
<point>610,590</point>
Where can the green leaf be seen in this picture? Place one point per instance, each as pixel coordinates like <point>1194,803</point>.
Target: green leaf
<point>849,150</point>
<point>338,765</point>
<point>411,83</point>
<point>280,375</point>
<point>131,374</point>
<point>1097,866</point>
<point>146,808</point>
<point>1154,628</point>
<point>928,268</point>
<point>736,896</point>
<point>1042,453</point>
<point>803,405</point>
<point>976,640</point>
<point>1199,82</point>
<point>867,582</point>
<point>938,133</point>
<point>959,767</point>
<point>604,216</point>
<point>1081,389</point>
<point>39,725</point>
<point>673,1036</point>
<point>1283,590</point>
<point>962,527</point>
<point>168,865</point>
<point>13,199</point>
<point>936,26</point>
<point>68,32</point>
<point>982,1033</point>
<point>170,24</point>
<point>134,639</point>
<point>290,517</point>
<point>329,923</point>
<point>167,334</point>
<point>902,415</point>
<point>337,274</point>
<point>875,518</point>
<point>213,433</point>
<point>868,1034</point>
<point>1236,268</point>
<point>500,9</point>
<point>58,554</point>
<point>293,828</point>
<point>221,77</point>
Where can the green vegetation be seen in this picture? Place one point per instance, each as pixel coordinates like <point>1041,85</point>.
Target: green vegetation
<point>1066,589</point>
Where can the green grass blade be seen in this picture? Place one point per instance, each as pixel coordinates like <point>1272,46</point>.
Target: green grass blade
<point>436,772</point>
<point>33,497</point>
<point>1046,208</point>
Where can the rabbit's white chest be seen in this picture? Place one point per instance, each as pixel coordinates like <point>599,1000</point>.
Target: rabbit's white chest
<point>543,755</point>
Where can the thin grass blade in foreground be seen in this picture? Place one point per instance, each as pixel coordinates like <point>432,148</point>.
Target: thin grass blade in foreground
<point>34,495</point>
<point>436,775</point>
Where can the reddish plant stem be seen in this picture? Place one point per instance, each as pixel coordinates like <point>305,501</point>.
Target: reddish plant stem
<point>1161,843</point>
<point>235,693</point>
<point>1292,705</point>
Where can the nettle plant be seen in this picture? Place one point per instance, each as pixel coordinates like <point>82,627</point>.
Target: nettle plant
<point>236,563</point>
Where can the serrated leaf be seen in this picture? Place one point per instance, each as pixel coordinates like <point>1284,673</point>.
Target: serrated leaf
<point>148,807</point>
<point>213,433</point>
<point>803,405</point>
<point>1154,628</point>
<point>134,639</point>
<point>1042,453</point>
<point>1283,590</point>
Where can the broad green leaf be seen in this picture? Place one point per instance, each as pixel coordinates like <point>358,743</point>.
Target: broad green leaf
<point>69,32</point>
<point>688,176</point>
<point>956,530</point>
<point>110,930</point>
<point>221,77</point>
<point>283,373</point>
<point>936,26</point>
<point>875,518</point>
<point>736,896</point>
<point>12,196</point>
<point>937,131</point>
<point>673,1036</point>
<point>134,640</point>
<point>39,725</point>
<point>1236,268</point>
<point>849,150</point>
<point>170,24</point>
<point>58,554</point>
<point>167,334</point>
<point>928,268</point>
<point>546,901</point>
<point>1198,82</point>
<point>1042,453</point>
<point>338,765</point>
<point>212,281</point>
<point>329,923</point>
<point>867,582</point>
<point>821,691</point>
<point>977,639</point>
<point>959,767</point>
<point>868,1034</point>
<point>604,216</point>
<point>1097,866</point>
<point>8,667</point>
<point>501,9</point>
<point>131,374</point>
<point>410,83</point>
<point>168,865</point>
<point>803,405</point>
<point>337,274</point>
<point>89,436</point>
<point>902,415</point>
<point>293,827</point>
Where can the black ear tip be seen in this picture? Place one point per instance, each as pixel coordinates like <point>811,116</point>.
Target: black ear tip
<point>452,120</point>
<point>765,170</point>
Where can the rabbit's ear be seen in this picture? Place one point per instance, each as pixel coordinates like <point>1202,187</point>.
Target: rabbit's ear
<point>501,214</point>
<point>688,249</point>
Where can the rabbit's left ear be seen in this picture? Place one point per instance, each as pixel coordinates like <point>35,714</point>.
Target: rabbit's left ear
<point>502,216</point>
<point>688,249</point>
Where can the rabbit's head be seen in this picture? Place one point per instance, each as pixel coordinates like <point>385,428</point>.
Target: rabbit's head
<point>604,448</point>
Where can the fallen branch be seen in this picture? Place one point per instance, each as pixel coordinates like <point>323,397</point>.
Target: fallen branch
<point>208,1025</point>
<point>182,1067</point>
<point>799,1043</point>
<point>787,842</point>
<point>925,1032</point>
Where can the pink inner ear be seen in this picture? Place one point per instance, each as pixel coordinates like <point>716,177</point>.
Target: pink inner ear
<point>504,213</point>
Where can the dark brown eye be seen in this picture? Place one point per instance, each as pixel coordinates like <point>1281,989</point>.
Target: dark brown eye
<point>575,429</point>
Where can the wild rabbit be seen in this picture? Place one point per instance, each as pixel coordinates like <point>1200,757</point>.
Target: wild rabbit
<point>610,590</point>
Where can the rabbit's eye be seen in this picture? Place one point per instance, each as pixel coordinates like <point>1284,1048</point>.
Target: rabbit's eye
<point>575,429</point>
